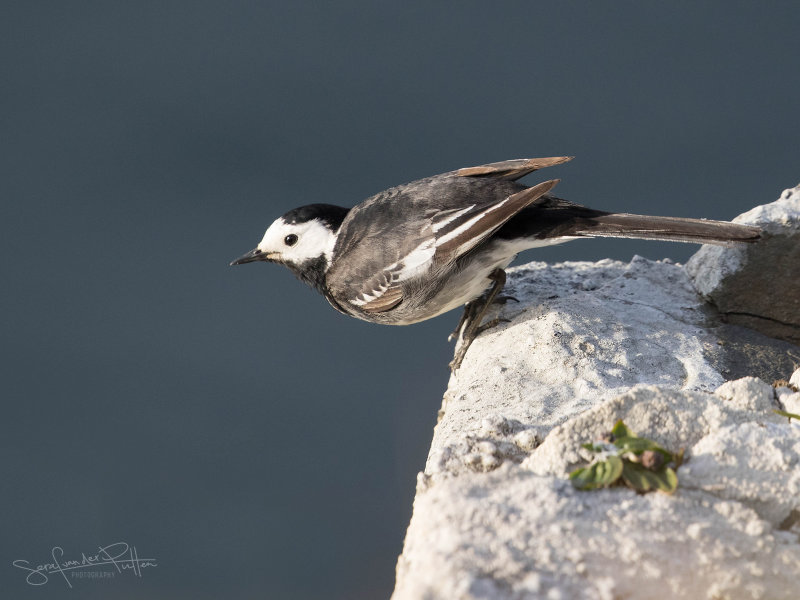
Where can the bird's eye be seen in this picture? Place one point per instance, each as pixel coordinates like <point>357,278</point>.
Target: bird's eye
<point>290,240</point>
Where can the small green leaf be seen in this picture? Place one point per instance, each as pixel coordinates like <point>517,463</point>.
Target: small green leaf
<point>644,480</point>
<point>592,447</point>
<point>580,478</point>
<point>638,445</point>
<point>634,444</point>
<point>600,474</point>
<point>670,480</point>
<point>788,415</point>
<point>635,478</point>
<point>614,469</point>
<point>621,431</point>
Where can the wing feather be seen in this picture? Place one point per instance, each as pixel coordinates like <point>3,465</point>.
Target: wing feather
<point>387,300</point>
<point>512,169</point>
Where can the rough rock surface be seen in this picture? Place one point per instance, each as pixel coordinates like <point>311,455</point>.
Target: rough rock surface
<point>736,281</point>
<point>589,343</point>
<point>522,531</point>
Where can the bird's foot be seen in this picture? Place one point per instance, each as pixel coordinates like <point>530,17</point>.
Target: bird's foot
<point>459,356</point>
<point>466,340</point>
<point>470,325</point>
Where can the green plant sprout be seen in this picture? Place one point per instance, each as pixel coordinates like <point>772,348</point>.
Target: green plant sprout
<point>788,415</point>
<point>623,458</point>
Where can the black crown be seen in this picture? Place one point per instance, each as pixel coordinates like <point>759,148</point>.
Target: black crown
<point>332,216</point>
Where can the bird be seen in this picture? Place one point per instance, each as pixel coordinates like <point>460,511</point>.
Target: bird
<point>421,249</point>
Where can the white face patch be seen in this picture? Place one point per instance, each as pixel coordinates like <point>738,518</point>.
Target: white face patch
<point>297,242</point>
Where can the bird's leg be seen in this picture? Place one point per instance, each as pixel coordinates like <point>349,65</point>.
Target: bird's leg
<point>470,325</point>
<point>471,308</point>
<point>469,311</point>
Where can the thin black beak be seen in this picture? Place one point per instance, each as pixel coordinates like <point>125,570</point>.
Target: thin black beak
<point>251,256</point>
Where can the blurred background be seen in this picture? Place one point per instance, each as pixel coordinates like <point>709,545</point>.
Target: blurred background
<point>226,421</point>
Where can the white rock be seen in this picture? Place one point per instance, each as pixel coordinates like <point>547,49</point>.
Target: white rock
<point>567,349</point>
<point>795,379</point>
<point>513,534</point>
<point>776,216</point>
<point>672,418</point>
<point>789,400</point>
<point>757,394</point>
<point>731,531</point>
<point>712,264</point>
<point>757,285</point>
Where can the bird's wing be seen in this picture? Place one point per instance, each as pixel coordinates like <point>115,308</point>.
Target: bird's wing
<point>512,169</point>
<point>458,233</point>
<point>384,290</point>
<point>446,235</point>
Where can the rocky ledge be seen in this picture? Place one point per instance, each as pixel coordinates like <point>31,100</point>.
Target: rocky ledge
<point>695,358</point>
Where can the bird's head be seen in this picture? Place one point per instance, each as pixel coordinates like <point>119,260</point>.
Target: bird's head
<point>303,239</point>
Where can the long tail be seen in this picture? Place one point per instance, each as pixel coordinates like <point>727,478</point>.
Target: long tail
<point>674,229</point>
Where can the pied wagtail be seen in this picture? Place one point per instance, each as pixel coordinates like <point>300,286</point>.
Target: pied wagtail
<point>418,250</point>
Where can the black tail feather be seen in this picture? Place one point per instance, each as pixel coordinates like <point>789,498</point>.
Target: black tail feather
<point>550,217</point>
<point>675,229</point>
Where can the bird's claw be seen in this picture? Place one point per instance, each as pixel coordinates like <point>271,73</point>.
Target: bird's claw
<point>489,324</point>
